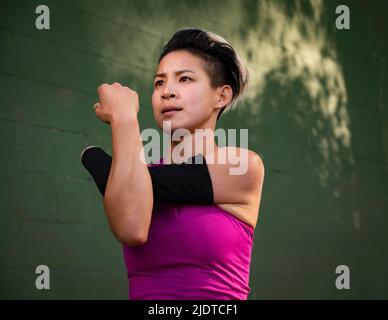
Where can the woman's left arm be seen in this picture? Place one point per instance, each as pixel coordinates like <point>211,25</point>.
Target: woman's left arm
<point>234,187</point>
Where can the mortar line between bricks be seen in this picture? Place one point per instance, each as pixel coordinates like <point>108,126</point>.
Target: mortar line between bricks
<point>60,44</point>
<point>52,84</point>
<point>315,244</point>
<point>313,146</point>
<point>156,35</point>
<point>51,128</point>
<point>52,269</point>
<point>331,183</point>
<point>56,221</point>
<point>301,211</point>
<point>315,209</point>
<point>64,270</point>
<point>47,174</point>
<point>309,276</point>
<point>313,117</point>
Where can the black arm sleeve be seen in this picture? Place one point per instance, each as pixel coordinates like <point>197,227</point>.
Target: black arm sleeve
<point>185,183</point>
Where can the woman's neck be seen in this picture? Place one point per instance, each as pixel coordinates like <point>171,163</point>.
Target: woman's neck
<point>183,147</point>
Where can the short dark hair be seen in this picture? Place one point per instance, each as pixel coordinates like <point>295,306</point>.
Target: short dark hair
<point>222,64</point>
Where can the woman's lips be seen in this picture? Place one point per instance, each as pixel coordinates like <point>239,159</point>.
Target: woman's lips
<point>170,113</point>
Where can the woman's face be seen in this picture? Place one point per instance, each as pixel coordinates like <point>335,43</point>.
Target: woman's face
<point>188,90</point>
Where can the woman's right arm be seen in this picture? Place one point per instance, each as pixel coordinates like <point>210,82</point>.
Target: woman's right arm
<point>128,199</point>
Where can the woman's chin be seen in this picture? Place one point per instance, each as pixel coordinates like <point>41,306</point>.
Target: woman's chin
<point>171,125</point>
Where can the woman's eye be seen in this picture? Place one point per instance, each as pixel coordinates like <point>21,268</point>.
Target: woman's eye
<point>158,82</point>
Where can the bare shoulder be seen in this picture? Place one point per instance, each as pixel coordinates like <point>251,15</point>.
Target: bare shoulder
<point>253,156</point>
<point>251,163</point>
<point>238,184</point>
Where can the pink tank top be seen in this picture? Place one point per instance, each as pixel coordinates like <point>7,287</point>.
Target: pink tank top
<point>193,252</point>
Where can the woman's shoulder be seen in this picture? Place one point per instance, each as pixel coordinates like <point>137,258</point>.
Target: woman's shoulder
<point>238,183</point>
<point>254,159</point>
<point>243,168</point>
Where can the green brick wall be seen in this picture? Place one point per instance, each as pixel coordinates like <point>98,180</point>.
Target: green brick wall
<point>316,111</point>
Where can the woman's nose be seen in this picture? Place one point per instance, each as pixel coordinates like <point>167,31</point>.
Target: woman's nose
<point>168,95</point>
<point>168,92</point>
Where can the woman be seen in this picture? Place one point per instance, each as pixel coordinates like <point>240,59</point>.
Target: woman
<point>173,250</point>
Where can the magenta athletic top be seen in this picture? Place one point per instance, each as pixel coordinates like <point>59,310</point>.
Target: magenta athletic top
<point>193,252</point>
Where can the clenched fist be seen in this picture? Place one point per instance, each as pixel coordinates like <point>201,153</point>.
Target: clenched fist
<point>117,103</point>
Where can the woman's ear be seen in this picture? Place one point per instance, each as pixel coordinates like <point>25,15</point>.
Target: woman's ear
<point>225,96</point>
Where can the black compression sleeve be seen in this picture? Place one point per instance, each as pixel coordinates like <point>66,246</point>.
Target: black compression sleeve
<point>184,183</point>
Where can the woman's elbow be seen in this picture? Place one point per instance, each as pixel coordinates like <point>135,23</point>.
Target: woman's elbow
<point>130,242</point>
<point>132,233</point>
<point>131,239</point>
<point>129,229</point>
